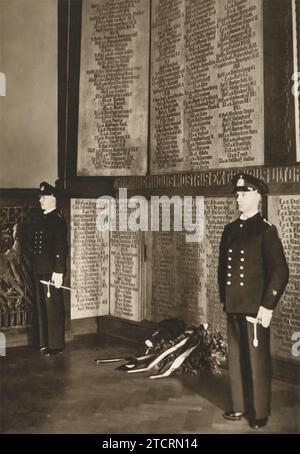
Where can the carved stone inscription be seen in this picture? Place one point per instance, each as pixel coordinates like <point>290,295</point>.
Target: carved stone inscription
<point>167,85</point>
<point>207,84</point>
<point>113,104</point>
<point>125,300</point>
<point>218,213</point>
<point>89,262</point>
<point>184,275</point>
<point>284,212</point>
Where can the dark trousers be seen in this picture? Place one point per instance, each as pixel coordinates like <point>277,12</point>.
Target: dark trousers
<point>48,315</point>
<point>249,367</point>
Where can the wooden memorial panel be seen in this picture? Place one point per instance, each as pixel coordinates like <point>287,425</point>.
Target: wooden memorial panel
<point>284,213</point>
<point>125,273</point>
<point>89,262</point>
<point>167,86</point>
<point>190,291</point>
<point>113,98</point>
<point>296,55</point>
<point>207,108</point>
<point>163,276</point>
<point>184,275</point>
<point>219,211</point>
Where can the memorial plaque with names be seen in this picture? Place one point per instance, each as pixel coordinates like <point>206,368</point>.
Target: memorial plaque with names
<point>219,211</point>
<point>206,85</point>
<point>296,51</point>
<point>167,85</point>
<point>89,262</point>
<point>184,275</point>
<point>163,271</point>
<point>113,94</point>
<point>284,213</point>
<point>125,273</point>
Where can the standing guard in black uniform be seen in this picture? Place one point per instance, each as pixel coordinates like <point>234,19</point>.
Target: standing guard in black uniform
<point>49,264</point>
<point>252,274</point>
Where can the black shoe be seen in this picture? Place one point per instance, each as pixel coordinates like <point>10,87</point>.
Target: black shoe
<point>258,423</point>
<point>233,415</point>
<point>42,349</point>
<point>53,351</point>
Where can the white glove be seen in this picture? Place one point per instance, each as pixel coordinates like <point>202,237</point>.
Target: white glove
<point>57,279</point>
<point>264,316</point>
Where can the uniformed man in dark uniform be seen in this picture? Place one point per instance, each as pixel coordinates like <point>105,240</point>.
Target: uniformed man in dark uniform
<point>253,274</point>
<point>49,264</point>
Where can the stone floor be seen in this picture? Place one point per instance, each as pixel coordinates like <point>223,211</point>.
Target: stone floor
<point>71,394</point>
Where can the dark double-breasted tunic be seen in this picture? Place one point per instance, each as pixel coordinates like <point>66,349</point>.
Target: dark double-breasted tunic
<point>49,252</point>
<point>252,272</point>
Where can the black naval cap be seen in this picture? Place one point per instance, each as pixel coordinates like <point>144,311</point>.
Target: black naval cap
<point>47,189</point>
<point>246,182</point>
